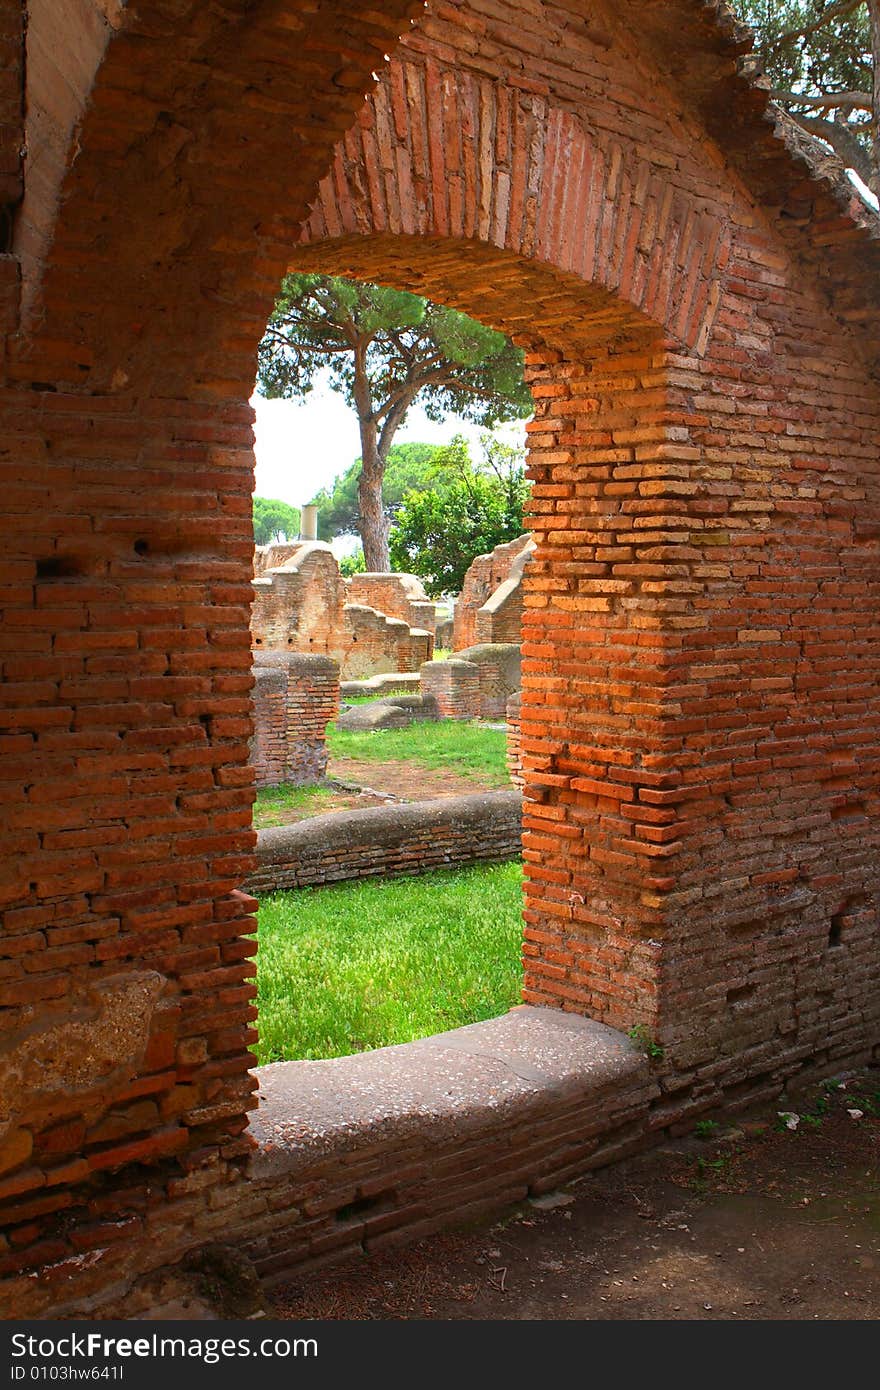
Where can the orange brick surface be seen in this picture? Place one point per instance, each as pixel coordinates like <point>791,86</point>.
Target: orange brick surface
<point>701,651</point>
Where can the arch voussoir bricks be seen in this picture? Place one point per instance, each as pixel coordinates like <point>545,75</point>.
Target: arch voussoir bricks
<point>698,301</point>
<point>438,152</point>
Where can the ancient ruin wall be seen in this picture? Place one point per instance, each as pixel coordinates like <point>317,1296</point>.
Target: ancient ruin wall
<point>389,840</point>
<point>476,683</point>
<point>294,698</point>
<point>398,595</point>
<point>303,605</point>
<point>454,685</point>
<point>514,748</point>
<point>274,556</point>
<point>485,576</point>
<point>373,643</point>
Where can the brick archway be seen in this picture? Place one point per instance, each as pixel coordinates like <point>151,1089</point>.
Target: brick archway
<point>441,151</point>
<point>702,650</point>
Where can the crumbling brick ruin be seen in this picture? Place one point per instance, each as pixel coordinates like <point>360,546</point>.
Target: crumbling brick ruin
<point>490,605</point>
<point>514,751</point>
<point>401,838</point>
<point>697,295</point>
<point>398,595</point>
<point>295,696</point>
<point>476,683</point>
<point>302,604</point>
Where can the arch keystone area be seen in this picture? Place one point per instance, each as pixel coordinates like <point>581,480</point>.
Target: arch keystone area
<point>439,152</point>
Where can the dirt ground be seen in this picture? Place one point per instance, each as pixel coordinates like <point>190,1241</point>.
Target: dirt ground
<point>757,1222</point>
<point>354,786</point>
<point>405,781</point>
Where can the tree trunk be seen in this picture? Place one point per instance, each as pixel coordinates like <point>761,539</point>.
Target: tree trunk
<point>373,523</point>
<point>874,22</point>
<point>375,444</point>
<point>373,526</point>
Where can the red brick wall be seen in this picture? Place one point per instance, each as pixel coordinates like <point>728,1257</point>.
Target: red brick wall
<point>126,797</point>
<point>700,705</point>
<point>398,595</point>
<point>126,456</point>
<point>514,750</point>
<point>412,838</point>
<point>303,606</point>
<point>65,47</point>
<point>482,579</point>
<point>294,698</point>
<point>455,685</point>
<point>476,683</point>
<point>11,146</point>
<point>11,109</point>
<point>687,464</point>
<point>372,643</point>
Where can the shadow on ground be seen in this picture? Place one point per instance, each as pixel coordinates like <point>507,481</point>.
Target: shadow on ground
<point>755,1222</point>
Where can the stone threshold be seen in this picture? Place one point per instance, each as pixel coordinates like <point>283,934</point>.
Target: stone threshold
<point>358,1153</point>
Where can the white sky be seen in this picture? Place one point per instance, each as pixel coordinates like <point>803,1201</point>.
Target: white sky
<point>301,446</point>
<point>869,197</point>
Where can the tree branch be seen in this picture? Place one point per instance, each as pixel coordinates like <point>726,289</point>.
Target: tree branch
<point>284,341</point>
<point>829,101</point>
<point>394,419</point>
<point>415,380</point>
<point>841,140</point>
<point>833,12</point>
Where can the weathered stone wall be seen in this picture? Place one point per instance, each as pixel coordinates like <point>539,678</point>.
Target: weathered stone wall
<point>398,595</point>
<point>410,838</point>
<point>701,656</point>
<point>294,698</point>
<point>302,604</point>
<point>495,575</point>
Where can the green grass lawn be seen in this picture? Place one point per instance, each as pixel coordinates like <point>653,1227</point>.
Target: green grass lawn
<point>361,965</point>
<point>273,803</point>
<point>469,748</point>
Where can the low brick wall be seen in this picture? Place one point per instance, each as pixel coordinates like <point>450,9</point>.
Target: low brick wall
<point>475,683</point>
<point>409,838</point>
<point>295,696</point>
<point>388,683</point>
<point>455,685</point>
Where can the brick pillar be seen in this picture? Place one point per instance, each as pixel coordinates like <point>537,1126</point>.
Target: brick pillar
<point>601,825</point>
<point>514,753</point>
<point>455,685</point>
